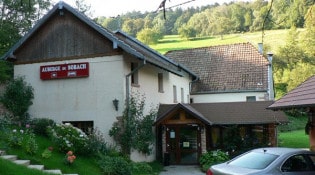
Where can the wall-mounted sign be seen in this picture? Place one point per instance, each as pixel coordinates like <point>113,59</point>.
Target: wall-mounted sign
<point>72,70</point>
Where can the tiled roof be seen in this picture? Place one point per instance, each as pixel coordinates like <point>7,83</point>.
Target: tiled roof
<point>301,96</point>
<point>228,113</point>
<point>225,68</point>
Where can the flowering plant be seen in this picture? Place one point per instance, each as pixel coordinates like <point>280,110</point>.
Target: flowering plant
<point>70,157</point>
<point>68,137</point>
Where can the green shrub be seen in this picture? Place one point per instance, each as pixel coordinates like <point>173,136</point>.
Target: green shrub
<point>141,168</point>
<point>211,158</point>
<point>114,165</point>
<point>97,144</point>
<point>17,98</point>
<point>69,138</point>
<point>40,125</point>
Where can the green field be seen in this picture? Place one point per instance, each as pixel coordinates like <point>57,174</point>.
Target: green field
<point>272,40</point>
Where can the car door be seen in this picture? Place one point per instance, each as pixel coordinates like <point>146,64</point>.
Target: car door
<point>301,164</point>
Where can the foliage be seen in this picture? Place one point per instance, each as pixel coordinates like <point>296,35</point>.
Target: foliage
<point>141,168</point>
<point>149,36</point>
<point>114,165</point>
<point>25,139</point>
<point>135,129</point>
<point>97,144</point>
<point>40,125</point>
<point>6,71</point>
<point>68,137</point>
<point>187,32</point>
<point>211,158</point>
<point>17,18</point>
<point>236,144</point>
<point>17,98</point>
<point>47,152</point>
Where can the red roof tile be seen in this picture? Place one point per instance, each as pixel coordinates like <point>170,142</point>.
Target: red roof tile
<point>225,68</point>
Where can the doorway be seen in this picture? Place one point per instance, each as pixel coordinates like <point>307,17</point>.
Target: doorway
<point>183,144</point>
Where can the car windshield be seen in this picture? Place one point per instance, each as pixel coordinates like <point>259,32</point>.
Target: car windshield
<point>254,160</point>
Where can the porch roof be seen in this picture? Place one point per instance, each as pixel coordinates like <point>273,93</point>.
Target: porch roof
<point>227,113</point>
<point>300,97</point>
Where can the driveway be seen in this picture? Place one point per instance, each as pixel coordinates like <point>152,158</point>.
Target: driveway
<point>181,170</point>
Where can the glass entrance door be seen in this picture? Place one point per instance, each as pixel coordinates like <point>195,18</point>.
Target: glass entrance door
<point>183,144</point>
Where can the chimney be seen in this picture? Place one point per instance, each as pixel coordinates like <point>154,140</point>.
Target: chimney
<point>260,48</point>
<point>270,77</point>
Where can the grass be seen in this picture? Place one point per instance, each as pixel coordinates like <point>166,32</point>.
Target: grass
<point>272,39</point>
<point>294,139</point>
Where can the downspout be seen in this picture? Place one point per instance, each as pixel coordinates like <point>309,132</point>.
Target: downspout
<point>270,77</point>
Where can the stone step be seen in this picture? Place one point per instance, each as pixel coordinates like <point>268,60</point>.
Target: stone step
<point>22,162</point>
<point>53,171</point>
<point>38,167</point>
<point>2,153</point>
<point>9,157</point>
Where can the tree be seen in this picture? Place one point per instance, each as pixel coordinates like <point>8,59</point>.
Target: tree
<point>309,34</point>
<point>187,32</point>
<point>149,36</point>
<point>17,98</point>
<point>16,18</point>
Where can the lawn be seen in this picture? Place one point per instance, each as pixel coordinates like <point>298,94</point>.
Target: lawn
<point>294,139</point>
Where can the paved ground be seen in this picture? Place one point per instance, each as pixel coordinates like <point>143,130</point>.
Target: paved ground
<point>181,170</point>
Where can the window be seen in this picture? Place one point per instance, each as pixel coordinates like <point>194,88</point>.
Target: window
<point>134,76</point>
<point>250,98</point>
<point>182,95</point>
<point>160,82</point>
<point>85,126</point>
<point>175,94</point>
<point>296,163</point>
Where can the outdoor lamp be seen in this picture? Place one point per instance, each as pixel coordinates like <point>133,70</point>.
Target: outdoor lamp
<point>115,103</point>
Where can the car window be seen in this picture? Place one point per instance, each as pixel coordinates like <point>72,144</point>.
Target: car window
<point>296,163</point>
<point>254,160</point>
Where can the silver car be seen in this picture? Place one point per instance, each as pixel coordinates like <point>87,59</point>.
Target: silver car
<point>271,161</point>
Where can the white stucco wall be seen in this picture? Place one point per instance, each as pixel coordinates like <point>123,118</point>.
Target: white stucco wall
<point>90,98</point>
<point>227,97</point>
<point>78,99</point>
<point>148,85</point>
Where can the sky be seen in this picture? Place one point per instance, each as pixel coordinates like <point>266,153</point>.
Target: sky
<point>113,8</point>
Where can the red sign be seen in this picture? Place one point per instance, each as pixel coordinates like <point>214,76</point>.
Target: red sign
<point>73,70</point>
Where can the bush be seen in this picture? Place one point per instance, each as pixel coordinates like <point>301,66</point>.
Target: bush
<point>40,125</point>
<point>141,168</point>
<point>17,98</point>
<point>68,138</point>
<point>211,158</point>
<point>97,144</point>
<point>114,165</point>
